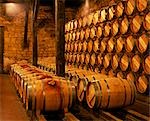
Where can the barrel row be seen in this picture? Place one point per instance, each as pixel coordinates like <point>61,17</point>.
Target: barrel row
<point>110,29</point>
<point>113,44</point>
<point>122,61</point>
<point>108,13</point>
<point>41,90</point>
<point>97,96</point>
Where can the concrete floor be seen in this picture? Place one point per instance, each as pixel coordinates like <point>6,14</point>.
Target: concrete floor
<point>11,108</point>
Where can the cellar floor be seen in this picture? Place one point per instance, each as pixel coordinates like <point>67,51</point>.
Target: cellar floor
<point>11,108</point>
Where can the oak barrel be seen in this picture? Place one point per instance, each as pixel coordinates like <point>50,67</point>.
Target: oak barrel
<point>107,60</point>
<point>146,64</point>
<point>87,58</point>
<point>102,93</point>
<point>103,15</point>
<point>90,18</point>
<point>80,22</point>
<point>130,6</point>
<point>130,43</point>
<point>130,76</point>
<point>87,33</point>
<point>111,12</point>
<point>124,62</point>
<point>103,45</point>
<point>96,17</point>
<point>111,44</point>
<point>146,22</point>
<point>90,46</point>
<point>141,5</point>
<point>135,63</point>
<point>124,25</point>
<point>54,95</point>
<point>82,58</point>
<point>82,33</point>
<point>107,30</point>
<point>99,59</point>
<point>96,45</point>
<point>93,32</point>
<point>136,23</point>
<point>75,24</point>
<point>99,31</point>
<point>119,9</point>
<point>85,19</point>
<point>80,46</point>
<point>83,82</point>
<point>115,28</point>
<point>115,61</point>
<point>77,35</point>
<point>93,59</point>
<point>142,43</point>
<point>84,46</point>
<point>119,44</point>
<point>142,83</point>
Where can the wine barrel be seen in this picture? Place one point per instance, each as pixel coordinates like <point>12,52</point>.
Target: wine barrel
<point>99,31</point>
<point>111,73</point>
<point>124,25</point>
<point>73,36</point>
<point>70,58</point>
<point>102,93</point>
<point>96,45</point>
<point>84,46</point>
<point>119,44</point>
<point>87,33</point>
<point>115,61</point>
<point>103,14</point>
<point>115,28</point>
<point>79,46</point>
<point>78,58</point>
<point>77,35</point>
<point>74,57</point>
<point>83,82</point>
<point>146,22</point>
<point>129,43</point>
<point>93,59</point>
<point>85,19</point>
<point>96,17</point>
<point>90,18</point>
<point>82,33</point>
<point>90,46</point>
<point>111,12</point>
<point>110,45</point>
<point>75,47</point>
<point>80,22</point>
<point>71,46</point>
<point>66,37</point>
<point>99,59</point>
<point>103,71</point>
<point>135,63</point>
<point>124,62</point>
<point>71,25</point>
<point>82,58</point>
<point>66,47</point>
<point>130,6</point>
<point>130,76</point>
<point>55,95</point>
<point>68,26</point>
<point>93,32</point>
<point>119,9</point>
<point>120,75</point>
<point>75,24</point>
<point>141,5</point>
<point>142,43</point>
<point>146,64</point>
<point>136,23</point>
<point>87,58</point>
<point>103,44</point>
<point>107,60</point>
<point>107,30</point>
<point>70,36</point>
<point>142,83</point>
<point>66,29</point>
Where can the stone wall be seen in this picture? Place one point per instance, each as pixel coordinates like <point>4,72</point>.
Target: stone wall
<point>14,34</point>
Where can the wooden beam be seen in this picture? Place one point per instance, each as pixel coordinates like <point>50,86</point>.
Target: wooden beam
<point>34,30</point>
<point>25,43</point>
<point>1,49</point>
<point>59,34</point>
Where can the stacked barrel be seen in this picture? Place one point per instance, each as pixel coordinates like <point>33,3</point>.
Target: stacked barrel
<point>113,40</point>
<point>41,90</point>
